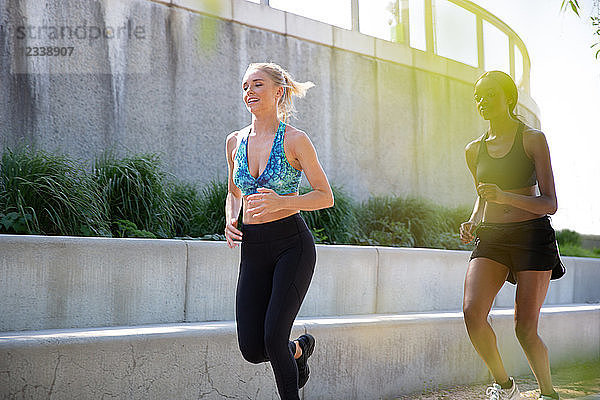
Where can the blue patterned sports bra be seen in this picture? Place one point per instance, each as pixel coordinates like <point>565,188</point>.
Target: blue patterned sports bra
<point>278,175</point>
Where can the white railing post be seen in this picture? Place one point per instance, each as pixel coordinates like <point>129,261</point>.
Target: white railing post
<point>429,29</point>
<point>355,19</point>
<point>404,19</point>
<point>511,56</point>
<point>480,48</point>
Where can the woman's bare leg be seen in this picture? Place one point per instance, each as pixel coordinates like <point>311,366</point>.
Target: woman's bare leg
<point>532,287</point>
<point>484,280</point>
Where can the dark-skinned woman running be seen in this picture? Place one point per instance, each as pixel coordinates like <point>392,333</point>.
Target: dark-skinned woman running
<point>513,177</point>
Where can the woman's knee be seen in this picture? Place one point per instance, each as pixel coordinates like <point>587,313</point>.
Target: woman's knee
<point>273,344</point>
<point>526,331</point>
<point>253,352</point>
<point>474,316</point>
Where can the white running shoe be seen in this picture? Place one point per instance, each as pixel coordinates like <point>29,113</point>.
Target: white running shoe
<point>495,392</point>
<point>542,397</point>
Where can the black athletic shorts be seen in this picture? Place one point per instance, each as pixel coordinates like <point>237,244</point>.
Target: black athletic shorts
<point>521,246</point>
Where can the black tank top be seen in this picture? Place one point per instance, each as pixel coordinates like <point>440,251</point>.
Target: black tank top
<point>513,171</point>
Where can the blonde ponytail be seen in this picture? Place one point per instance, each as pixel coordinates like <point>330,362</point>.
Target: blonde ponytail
<point>291,88</point>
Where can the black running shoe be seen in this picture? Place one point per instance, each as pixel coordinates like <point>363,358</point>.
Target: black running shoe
<point>307,344</point>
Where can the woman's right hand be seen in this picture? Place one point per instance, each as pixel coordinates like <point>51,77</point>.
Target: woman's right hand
<point>232,233</point>
<point>467,230</point>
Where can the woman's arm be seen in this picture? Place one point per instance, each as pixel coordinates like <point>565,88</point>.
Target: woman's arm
<point>467,229</point>
<point>302,150</point>
<point>537,148</point>
<point>233,203</point>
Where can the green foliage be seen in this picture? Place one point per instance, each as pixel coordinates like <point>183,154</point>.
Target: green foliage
<point>570,249</point>
<point>336,224</point>
<point>573,4</point>
<point>14,222</point>
<point>50,195</point>
<point>128,229</point>
<point>199,213</point>
<point>211,218</point>
<point>595,19</point>
<point>396,221</point>
<point>135,189</point>
<point>187,203</point>
<point>131,197</point>
<point>566,236</point>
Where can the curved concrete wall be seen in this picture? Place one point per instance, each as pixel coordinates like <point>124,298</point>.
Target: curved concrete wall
<point>63,282</point>
<point>384,118</point>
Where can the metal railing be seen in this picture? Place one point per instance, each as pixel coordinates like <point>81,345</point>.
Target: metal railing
<point>402,12</point>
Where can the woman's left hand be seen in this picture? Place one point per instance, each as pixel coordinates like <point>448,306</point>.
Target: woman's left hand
<point>264,202</point>
<point>490,192</point>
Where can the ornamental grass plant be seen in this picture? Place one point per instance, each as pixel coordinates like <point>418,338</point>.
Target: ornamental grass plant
<point>135,189</point>
<point>409,222</point>
<point>47,194</point>
<point>199,213</point>
<point>336,224</point>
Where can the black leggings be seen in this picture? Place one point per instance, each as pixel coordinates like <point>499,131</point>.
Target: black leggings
<point>278,260</point>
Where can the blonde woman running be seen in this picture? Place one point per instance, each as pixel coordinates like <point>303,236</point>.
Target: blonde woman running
<point>265,162</point>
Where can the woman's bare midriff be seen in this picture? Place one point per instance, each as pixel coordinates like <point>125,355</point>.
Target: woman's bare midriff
<point>248,219</point>
<point>498,213</point>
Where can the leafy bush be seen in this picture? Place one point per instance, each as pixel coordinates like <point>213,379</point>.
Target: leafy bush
<point>200,213</point>
<point>14,222</point>
<point>187,203</point>
<point>396,221</point>
<point>134,189</point>
<point>336,224</point>
<point>131,197</point>
<point>566,236</point>
<point>212,218</point>
<point>128,229</point>
<point>49,194</point>
<point>570,249</point>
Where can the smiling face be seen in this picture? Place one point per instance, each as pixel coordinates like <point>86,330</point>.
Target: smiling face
<point>490,99</point>
<point>260,92</point>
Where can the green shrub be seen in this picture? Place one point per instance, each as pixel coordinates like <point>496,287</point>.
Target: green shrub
<point>199,213</point>
<point>135,189</point>
<point>14,222</point>
<point>335,224</point>
<point>210,218</point>
<point>570,249</point>
<point>451,219</point>
<point>187,203</point>
<point>409,222</point>
<point>49,194</point>
<point>566,236</point>
<point>128,229</point>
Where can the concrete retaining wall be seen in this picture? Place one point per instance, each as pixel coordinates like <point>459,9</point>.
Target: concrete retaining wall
<point>58,282</point>
<point>63,282</point>
<point>357,357</point>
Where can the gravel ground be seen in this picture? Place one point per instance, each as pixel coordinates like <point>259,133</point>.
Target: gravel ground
<point>573,382</point>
